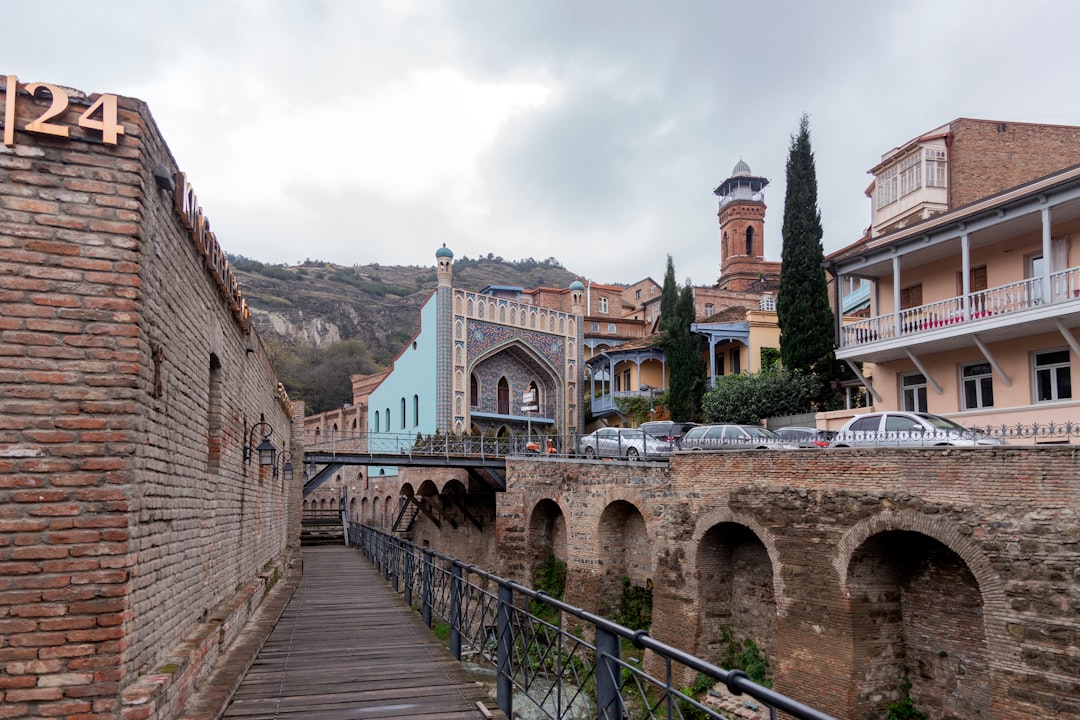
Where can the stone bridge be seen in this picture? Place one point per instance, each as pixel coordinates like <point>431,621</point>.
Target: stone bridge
<point>850,569</point>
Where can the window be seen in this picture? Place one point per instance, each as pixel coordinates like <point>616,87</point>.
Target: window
<point>387,420</point>
<point>626,379</point>
<point>611,328</point>
<point>504,397</point>
<point>601,305</point>
<point>474,391</point>
<point>886,190</point>
<point>1035,269</point>
<point>911,173</point>
<point>415,410</point>
<point>977,380</point>
<point>935,168</point>
<point>914,392</point>
<point>708,309</point>
<point>596,326</point>
<point>911,297</point>
<point>736,364</point>
<point>403,416</point>
<point>1053,380</point>
<point>978,280</point>
<point>750,240</point>
<point>637,294</point>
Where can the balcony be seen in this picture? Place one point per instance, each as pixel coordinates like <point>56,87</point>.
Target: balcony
<point>1001,313</point>
<point>608,402</point>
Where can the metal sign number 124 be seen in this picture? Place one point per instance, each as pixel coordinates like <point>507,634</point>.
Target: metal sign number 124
<point>108,126</point>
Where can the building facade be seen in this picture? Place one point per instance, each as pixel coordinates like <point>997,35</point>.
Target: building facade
<point>971,308</point>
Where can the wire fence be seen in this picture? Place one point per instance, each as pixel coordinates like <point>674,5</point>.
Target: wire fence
<point>562,661</point>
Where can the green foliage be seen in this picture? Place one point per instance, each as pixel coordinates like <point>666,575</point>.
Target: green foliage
<point>635,606</point>
<point>802,302</point>
<point>245,264</point>
<point>682,348</point>
<point>748,399</point>
<point>770,358</point>
<point>551,578</point>
<point>320,375</point>
<point>635,407</point>
<point>373,284</point>
<point>904,708</point>
<point>746,656</point>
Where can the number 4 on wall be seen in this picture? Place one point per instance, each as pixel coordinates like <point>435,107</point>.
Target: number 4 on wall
<point>108,126</point>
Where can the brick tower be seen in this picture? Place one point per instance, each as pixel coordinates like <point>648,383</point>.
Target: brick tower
<point>742,238</point>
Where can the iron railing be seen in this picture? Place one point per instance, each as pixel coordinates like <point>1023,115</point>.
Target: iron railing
<point>566,662</point>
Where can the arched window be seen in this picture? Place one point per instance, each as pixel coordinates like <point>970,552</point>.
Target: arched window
<point>535,394</point>
<point>403,415</point>
<point>474,391</point>
<point>377,426</point>
<point>415,410</point>
<point>387,419</point>
<point>504,396</point>
<point>750,240</point>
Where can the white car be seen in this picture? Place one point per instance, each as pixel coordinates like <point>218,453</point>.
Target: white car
<point>908,429</point>
<point>734,437</point>
<point>629,443</point>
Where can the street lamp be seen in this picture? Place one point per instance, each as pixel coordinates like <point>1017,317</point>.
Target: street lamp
<point>265,448</point>
<point>286,466</point>
<point>649,389</point>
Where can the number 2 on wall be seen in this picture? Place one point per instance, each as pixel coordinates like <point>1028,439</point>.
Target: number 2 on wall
<point>108,126</point>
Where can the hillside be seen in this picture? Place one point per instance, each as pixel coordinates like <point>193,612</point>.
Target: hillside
<point>322,322</point>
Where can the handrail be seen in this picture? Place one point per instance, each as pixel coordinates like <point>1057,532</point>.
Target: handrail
<point>566,673</point>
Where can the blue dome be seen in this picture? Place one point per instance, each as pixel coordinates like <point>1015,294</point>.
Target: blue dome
<point>577,285</point>
<point>444,252</point>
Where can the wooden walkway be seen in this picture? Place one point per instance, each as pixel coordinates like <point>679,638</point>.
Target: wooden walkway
<point>348,647</point>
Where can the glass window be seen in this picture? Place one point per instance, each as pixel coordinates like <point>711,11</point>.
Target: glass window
<point>935,168</point>
<point>911,173</point>
<point>911,297</point>
<point>1053,379</point>
<point>596,326</point>
<point>601,305</point>
<point>914,392</point>
<point>611,328</point>
<point>886,188</point>
<point>708,309</point>
<point>978,385</point>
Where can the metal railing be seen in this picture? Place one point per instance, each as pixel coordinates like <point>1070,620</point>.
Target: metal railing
<point>566,662</point>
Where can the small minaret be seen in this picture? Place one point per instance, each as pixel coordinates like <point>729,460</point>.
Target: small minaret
<point>444,340</point>
<point>742,228</point>
<point>577,298</point>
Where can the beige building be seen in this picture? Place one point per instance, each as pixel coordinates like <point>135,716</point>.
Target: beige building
<point>972,303</point>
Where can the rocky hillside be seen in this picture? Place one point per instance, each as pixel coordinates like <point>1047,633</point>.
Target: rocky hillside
<point>318,304</point>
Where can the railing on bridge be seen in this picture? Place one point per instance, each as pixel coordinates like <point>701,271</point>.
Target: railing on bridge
<point>415,445</point>
<point>567,662</point>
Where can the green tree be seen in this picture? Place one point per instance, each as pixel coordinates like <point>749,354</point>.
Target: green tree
<point>802,302</point>
<point>320,376</point>
<point>686,371</point>
<point>748,399</point>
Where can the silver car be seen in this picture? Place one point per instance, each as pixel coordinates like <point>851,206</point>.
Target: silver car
<point>908,429</point>
<point>629,443</point>
<point>734,437</point>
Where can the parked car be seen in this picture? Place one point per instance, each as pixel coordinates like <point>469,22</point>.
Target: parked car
<point>629,443</point>
<point>807,437</point>
<point>908,429</point>
<point>669,431</point>
<point>727,436</point>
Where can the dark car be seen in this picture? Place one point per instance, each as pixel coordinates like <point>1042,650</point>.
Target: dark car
<point>807,436</point>
<point>669,431</point>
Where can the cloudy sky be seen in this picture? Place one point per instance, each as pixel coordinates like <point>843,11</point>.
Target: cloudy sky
<point>592,131</point>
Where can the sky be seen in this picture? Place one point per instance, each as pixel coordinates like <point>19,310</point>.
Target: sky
<point>589,131</point>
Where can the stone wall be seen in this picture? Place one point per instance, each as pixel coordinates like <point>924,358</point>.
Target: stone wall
<point>135,540</point>
<point>849,569</point>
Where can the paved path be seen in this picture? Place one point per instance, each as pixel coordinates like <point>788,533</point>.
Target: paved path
<point>348,647</point>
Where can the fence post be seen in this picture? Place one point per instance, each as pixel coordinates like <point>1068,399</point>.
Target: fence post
<point>408,571</point>
<point>504,682</point>
<point>426,591</point>
<point>455,610</point>
<point>396,572</point>
<point>608,674</point>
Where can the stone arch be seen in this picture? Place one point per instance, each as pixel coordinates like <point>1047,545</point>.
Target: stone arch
<point>469,308</point>
<point>365,510</point>
<point>924,602</point>
<point>502,313</point>
<point>736,590</point>
<point>459,330</point>
<point>388,512</point>
<point>623,542</point>
<point>546,535</point>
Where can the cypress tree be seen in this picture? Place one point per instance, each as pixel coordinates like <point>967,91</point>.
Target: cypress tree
<point>681,348</point>
<point>802,302</point>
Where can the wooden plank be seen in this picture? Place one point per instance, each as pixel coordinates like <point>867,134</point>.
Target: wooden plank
<point>347,647</point>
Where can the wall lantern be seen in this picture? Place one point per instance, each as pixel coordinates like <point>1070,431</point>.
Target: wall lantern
<point>265,448</point>
<point>286,466</point>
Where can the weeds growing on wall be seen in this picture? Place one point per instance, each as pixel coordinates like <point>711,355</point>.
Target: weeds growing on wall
<point>635,606</point>
<point>904,708</point>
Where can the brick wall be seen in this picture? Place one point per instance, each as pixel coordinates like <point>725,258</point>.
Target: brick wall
<point>987,157</point>
<point>847,568</point>
<point>130,526</point>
